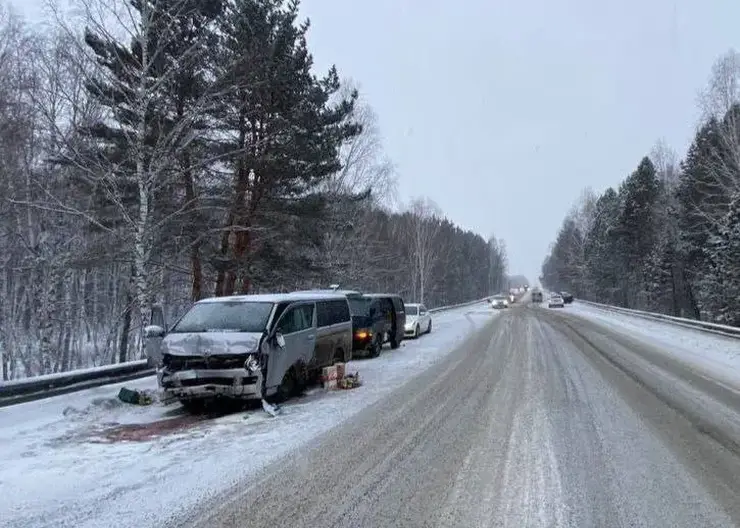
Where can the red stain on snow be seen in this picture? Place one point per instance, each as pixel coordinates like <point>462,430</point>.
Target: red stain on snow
<point>148,431</point>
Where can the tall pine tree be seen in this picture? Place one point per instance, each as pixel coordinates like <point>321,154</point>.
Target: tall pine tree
<point>636,229</point>
<point>281,128</point>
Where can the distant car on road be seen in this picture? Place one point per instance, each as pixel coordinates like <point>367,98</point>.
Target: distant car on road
<point>499,301</point>
<point>567,297</point>
<point>536,296</point>
<point>556,301</point>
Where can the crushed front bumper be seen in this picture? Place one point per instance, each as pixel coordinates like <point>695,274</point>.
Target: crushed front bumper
<point>237,383</point>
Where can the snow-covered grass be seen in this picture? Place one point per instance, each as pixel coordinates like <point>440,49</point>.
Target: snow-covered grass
<point>59,468</point>
<point>716,356</point>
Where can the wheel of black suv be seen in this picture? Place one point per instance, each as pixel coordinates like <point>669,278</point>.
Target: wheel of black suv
<point>376,347</point>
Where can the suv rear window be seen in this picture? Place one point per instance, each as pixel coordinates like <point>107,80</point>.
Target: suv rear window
<point>225,317</point>
<point>359,305</point>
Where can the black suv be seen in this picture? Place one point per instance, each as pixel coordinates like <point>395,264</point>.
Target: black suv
<point>567,297</point>
<point>377,318</point>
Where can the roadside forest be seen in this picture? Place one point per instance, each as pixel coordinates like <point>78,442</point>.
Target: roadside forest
<point>668,238</point>
<point>156,152</point>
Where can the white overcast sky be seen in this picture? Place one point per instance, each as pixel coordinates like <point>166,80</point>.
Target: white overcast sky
<point>502,112</point>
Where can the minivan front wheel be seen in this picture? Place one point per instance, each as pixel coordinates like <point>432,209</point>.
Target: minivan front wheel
<point>288,386</point>
<point>193,406</point>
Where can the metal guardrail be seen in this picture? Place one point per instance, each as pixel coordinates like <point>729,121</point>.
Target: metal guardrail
<point>39,387</point>
<point>702,326</point>
<point>456,306</point>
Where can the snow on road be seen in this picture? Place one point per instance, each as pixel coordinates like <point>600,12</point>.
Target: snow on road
<point>64,462</point>
<point>525,426</point>
<point>716,356</point>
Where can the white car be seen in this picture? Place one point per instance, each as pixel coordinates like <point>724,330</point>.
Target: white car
<point>556,301</point>
<point>418,320</point>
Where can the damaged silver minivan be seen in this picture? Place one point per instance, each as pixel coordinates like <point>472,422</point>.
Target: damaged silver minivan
<point>250,346</point>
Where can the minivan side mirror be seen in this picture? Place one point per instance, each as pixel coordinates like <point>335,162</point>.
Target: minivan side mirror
<point>153,331</point>
<point>157,317</point>
<point>280,339</point>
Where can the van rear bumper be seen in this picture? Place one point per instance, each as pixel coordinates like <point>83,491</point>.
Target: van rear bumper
<point>235,383</point>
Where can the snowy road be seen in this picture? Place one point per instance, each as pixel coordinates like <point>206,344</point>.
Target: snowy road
<point>86,460</point>
<point>544,418</point>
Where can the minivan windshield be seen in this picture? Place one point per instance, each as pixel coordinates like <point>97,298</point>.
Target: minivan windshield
<point>225,316</point>
<point>412,310</point>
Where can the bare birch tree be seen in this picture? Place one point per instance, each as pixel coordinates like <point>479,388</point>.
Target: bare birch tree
<point>666,163</point>
<point>366,182</point>
<point>424,226</point>
<point>720,102</point>
<point>18,236</point>
<point>125,158</point>
<point>497,264</point>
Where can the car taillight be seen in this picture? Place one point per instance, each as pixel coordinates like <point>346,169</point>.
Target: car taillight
<point>363,334</point>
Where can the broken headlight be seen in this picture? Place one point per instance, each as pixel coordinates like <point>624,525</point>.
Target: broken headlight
<point>252,364</point>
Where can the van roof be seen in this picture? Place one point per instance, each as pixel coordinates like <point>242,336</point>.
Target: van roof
<point>343,293</point>
<point>376,295</point>
<point>277,297</point>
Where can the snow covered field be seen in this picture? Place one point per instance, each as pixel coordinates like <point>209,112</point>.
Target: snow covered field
<point>716,356</point>
<point>73,460</point>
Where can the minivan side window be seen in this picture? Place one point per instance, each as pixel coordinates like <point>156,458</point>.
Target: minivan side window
<point>323,314</point>
<point>341,311</point>
<point>297,319</point>
<point>332,312</point>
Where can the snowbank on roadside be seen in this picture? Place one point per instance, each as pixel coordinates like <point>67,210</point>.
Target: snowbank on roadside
<point>55,474</point>
<point>717,356</point>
